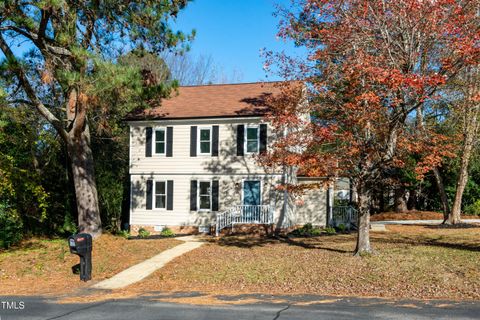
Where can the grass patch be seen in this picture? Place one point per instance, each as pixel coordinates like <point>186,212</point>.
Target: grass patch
<point>409,262</point>
<point>44,266</point>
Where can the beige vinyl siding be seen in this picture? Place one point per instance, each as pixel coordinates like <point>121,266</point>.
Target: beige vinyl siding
<point>311,207</point>
<point>230,193</point>
<point>226,163</point>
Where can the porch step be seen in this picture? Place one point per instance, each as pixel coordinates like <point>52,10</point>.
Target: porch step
<point>244,215</point>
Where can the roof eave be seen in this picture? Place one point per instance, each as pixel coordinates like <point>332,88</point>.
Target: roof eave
<point>152,118</point>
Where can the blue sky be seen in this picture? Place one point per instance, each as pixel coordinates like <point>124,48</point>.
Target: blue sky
<point>233,32</point>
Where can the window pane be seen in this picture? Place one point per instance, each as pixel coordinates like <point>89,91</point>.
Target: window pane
<point>205,188</point>
<point>252,133</point>
<point>252,146</point>
<point>204,135</point>
<point>204,202</point>
<point>160,135</point>
<point>160,147</point>
<point>160,141</point>
<point>160,202</point>
<point>204,147</point>
<point>160,187</point>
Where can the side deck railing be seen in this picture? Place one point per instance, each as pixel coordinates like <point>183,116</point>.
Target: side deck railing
<point>243,214</point>
<point>346,215</point>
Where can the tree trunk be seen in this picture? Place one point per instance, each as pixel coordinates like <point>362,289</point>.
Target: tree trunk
<point>470,114</point>
<point>436,172</point>
<point>363,236</point>
<point>81,158</point>
<point>377,205</point>
<point>454,216</point>
<point>400,200</point>
<point>443,194</point>
<point>381,201</point>
<point>412,200</point>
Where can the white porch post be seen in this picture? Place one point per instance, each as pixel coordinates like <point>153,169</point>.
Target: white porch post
<point>217,226</point>
<point>330,205</point>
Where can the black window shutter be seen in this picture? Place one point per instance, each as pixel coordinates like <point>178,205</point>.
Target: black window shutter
<point>240,139</point>
<point>215,192</point>
<point>193,195</point>
<point>148,142</point>
<point>215,130</point>
<point>149,194</point>
<point>169,194</point>
<point>169,141</point>
<point>193,141</point>
<point>263,138</point>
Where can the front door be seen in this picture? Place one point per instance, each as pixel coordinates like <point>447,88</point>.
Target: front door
<point>252,198</point>
<point>251,193</point>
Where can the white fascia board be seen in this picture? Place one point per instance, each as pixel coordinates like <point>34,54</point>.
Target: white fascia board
<point>196,120</point>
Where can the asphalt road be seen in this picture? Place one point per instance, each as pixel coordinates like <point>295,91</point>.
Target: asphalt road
<point>268,308</point>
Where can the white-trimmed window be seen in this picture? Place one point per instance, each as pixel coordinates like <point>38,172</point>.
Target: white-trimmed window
<point>160,192</point>
<point>252,139</point>
<point>159,141</point>
<point>205,141</point>
<point>205,195</point>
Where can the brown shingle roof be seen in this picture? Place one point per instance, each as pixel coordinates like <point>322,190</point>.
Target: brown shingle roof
<point>223,100</point>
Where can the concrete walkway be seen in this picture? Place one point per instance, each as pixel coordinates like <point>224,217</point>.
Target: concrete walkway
<point>144,269</point>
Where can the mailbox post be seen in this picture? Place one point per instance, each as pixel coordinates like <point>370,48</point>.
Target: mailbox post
<point>81,245</point>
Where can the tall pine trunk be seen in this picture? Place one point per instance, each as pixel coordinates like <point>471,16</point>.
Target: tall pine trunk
<point>81,158</point>
<point>363,235</point>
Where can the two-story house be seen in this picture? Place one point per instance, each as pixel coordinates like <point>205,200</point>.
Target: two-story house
<point>193,167</point>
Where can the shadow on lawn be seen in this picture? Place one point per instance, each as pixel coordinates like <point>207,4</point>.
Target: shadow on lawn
<point>316,243</point>
<point>243,241</point>
<point>423,241</point>
<point>453,226</point>
<point>345,243</point>
<point>325,242</point>
<point>335,243</point>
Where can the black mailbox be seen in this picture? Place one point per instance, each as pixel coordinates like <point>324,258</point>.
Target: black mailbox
<point>81,245</point>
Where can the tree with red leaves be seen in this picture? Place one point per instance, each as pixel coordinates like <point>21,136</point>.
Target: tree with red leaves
<point>372,64</point>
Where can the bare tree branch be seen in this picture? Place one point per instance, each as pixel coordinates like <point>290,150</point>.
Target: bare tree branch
<point>35,101</point>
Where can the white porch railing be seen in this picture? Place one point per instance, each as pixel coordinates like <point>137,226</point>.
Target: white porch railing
<point>261,214</point>
<point>346,215</point>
